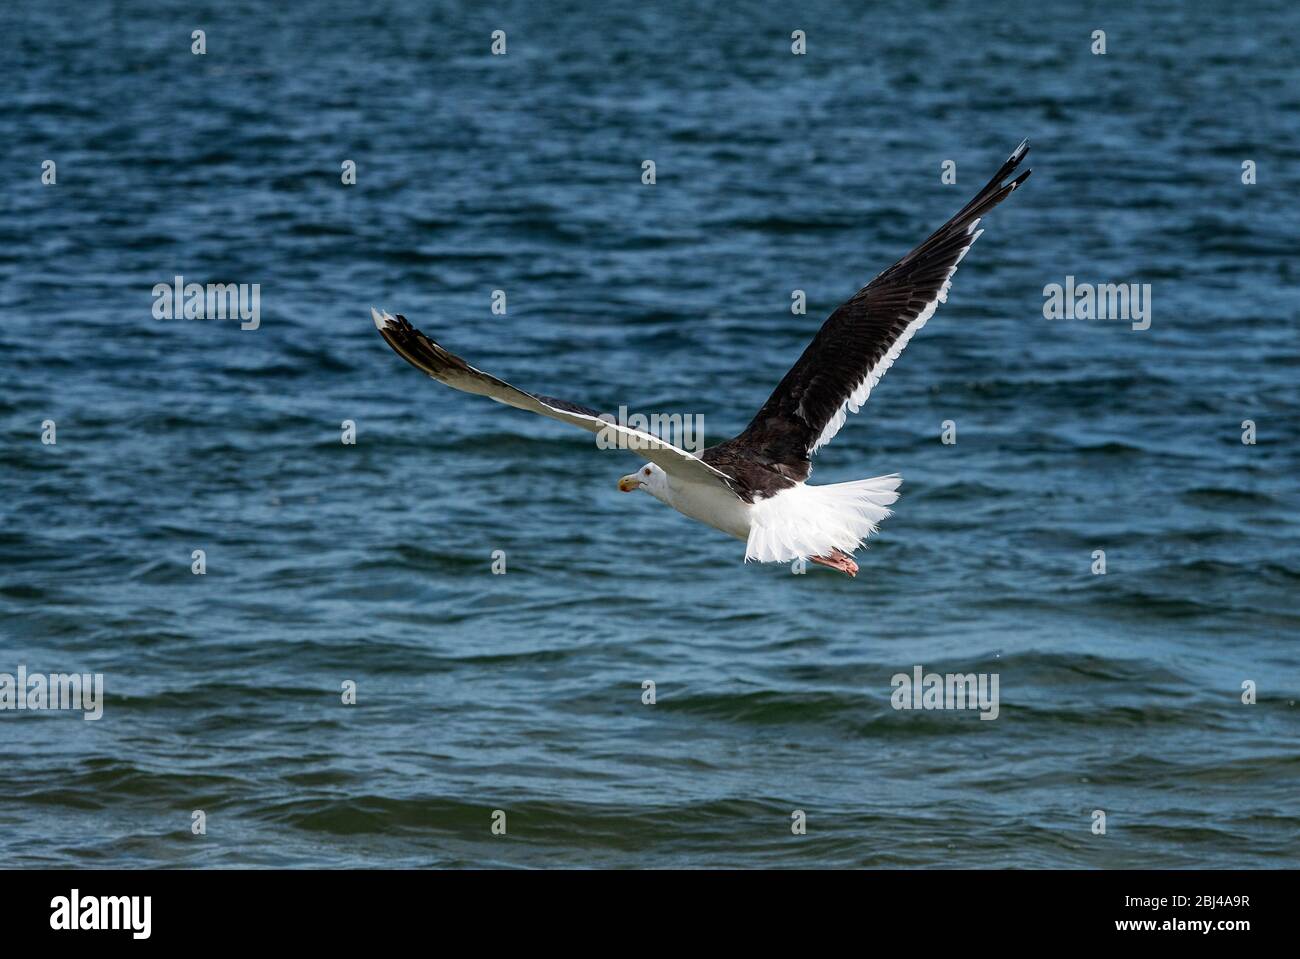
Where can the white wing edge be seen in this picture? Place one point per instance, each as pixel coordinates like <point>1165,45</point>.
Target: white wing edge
<point>873,375</point>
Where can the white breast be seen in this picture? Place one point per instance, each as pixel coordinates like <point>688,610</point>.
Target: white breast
<point>710,504</point>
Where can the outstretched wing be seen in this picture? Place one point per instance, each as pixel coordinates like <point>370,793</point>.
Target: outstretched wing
<point>863,337</point>
<point>445,367</point>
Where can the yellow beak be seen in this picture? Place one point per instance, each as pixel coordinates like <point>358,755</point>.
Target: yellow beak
<point>628,483</point>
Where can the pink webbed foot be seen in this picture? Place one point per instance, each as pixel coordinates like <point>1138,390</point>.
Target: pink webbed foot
<point>839,560</point>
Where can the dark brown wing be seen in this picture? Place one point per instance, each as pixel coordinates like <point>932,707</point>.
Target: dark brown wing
<point>863,337</point>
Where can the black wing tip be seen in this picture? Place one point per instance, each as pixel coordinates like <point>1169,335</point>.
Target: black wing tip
<point>1018,155</point>
<point>397,328</point>
<point>1009,167</point>
<point>385,321</point>
<point>414,347</point>
<point>997,189</point>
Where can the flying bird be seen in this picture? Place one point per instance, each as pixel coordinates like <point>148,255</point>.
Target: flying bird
<point>753,486</point>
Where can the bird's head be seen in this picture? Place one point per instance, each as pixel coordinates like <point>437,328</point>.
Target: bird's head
<point>649,477</point>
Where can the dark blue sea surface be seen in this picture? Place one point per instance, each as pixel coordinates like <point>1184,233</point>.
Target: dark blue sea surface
<point>371,563</point>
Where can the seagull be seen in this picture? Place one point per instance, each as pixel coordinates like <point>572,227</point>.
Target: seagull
<point>754,485</point>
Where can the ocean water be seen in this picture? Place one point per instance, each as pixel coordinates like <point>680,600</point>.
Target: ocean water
<point>371,563</point>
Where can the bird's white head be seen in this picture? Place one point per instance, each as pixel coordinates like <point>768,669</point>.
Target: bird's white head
<point>649,477</point>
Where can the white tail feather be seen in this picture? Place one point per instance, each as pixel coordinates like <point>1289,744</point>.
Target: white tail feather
<point>805,521</point>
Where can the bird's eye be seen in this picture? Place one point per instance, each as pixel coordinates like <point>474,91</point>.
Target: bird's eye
<point>647,471</point>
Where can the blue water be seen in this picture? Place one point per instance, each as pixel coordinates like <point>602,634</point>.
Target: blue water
<point>372,563</point>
